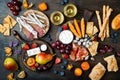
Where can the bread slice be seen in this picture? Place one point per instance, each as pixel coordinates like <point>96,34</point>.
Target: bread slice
<point>111,63</point>
<point>97,72</point>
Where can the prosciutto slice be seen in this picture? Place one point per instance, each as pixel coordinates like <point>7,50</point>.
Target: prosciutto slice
<point>78,53</point>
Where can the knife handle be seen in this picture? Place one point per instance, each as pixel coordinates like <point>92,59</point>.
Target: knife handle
<point>17,36</point>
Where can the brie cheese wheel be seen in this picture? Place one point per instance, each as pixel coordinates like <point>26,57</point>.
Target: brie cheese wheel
<point>66,37</point>
<point>43,47</point>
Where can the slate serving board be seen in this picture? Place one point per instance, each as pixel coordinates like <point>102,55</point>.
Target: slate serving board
<point>53,6</point>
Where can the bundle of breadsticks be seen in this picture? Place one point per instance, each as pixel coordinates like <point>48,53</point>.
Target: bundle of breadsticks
<point>104,22</point>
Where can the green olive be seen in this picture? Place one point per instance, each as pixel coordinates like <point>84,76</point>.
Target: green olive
<point>57,18</point>
<point>70,10</point>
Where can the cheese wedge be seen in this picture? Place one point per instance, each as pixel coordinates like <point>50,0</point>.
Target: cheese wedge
<point>97,72</point>
<point>90,28</point>
<point>111,63</point>
<point>7,31</point>
<point>93,48</point>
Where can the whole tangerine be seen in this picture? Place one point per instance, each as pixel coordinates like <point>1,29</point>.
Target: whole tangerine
<point>85,66</point>
<point>42,6</point>
<point>78,71</point>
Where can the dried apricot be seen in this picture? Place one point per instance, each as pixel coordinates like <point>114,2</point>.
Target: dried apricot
<point>30,61</point>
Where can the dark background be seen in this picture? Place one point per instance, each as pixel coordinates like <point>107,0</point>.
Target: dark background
<point>53,6</point>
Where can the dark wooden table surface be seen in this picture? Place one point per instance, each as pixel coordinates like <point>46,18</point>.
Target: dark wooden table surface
<point>53,6</point>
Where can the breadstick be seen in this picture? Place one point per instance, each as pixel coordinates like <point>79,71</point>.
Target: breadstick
<point>104,12</point>
<point>104,15</point>
<point>107,30</point>
<point>105,22</point>
<point>99,19</point>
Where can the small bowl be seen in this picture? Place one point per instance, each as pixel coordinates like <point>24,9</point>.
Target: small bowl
<point>70,10</point>
<point>57,18</point>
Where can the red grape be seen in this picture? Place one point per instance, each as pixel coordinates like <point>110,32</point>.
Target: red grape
<point>102,50</point>
<point>58,43</point>
<point>13,8</point>
<point>40,68</point>
<point>62,51</point>
<point>54,45</point>
<point>70,46</point>
<point>118,54</point>
<point>9,4</point>
<point>18,8</point>
<point>15,13</point>
<point>44,68</point>
<point>58,47</point>
<point>110,49</point>
<point>106,47</point>
<point>19,4</point>
<point>67,51</point>
<point>62,46</point>
<point>15,2</point>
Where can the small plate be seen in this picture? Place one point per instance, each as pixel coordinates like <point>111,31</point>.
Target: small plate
<point>24,57</point>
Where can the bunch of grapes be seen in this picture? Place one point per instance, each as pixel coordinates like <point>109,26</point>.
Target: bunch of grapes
<point>15,6</point>
<point>105,48</point>
<point>63,48</point>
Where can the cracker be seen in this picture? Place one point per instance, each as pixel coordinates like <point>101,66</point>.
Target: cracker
<point>89,28</point>
<point>95,30</point>
<point>93,48</point>
<point>111,63</point>
<point>7,31</point>
<point>2,28</point>
<point>9,20</point>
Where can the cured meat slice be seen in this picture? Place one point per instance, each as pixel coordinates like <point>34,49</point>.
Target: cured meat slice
<point>73,52</point>
<point>39,30</point>
<point>78,53</point>
<point>81,54</point>
<point>28,34</point>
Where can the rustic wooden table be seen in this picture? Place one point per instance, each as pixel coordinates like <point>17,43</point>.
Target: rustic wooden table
<point>53,6</point>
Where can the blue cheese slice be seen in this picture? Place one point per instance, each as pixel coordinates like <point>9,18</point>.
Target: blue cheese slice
<point>34,51</point>
<point>66,37</point>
